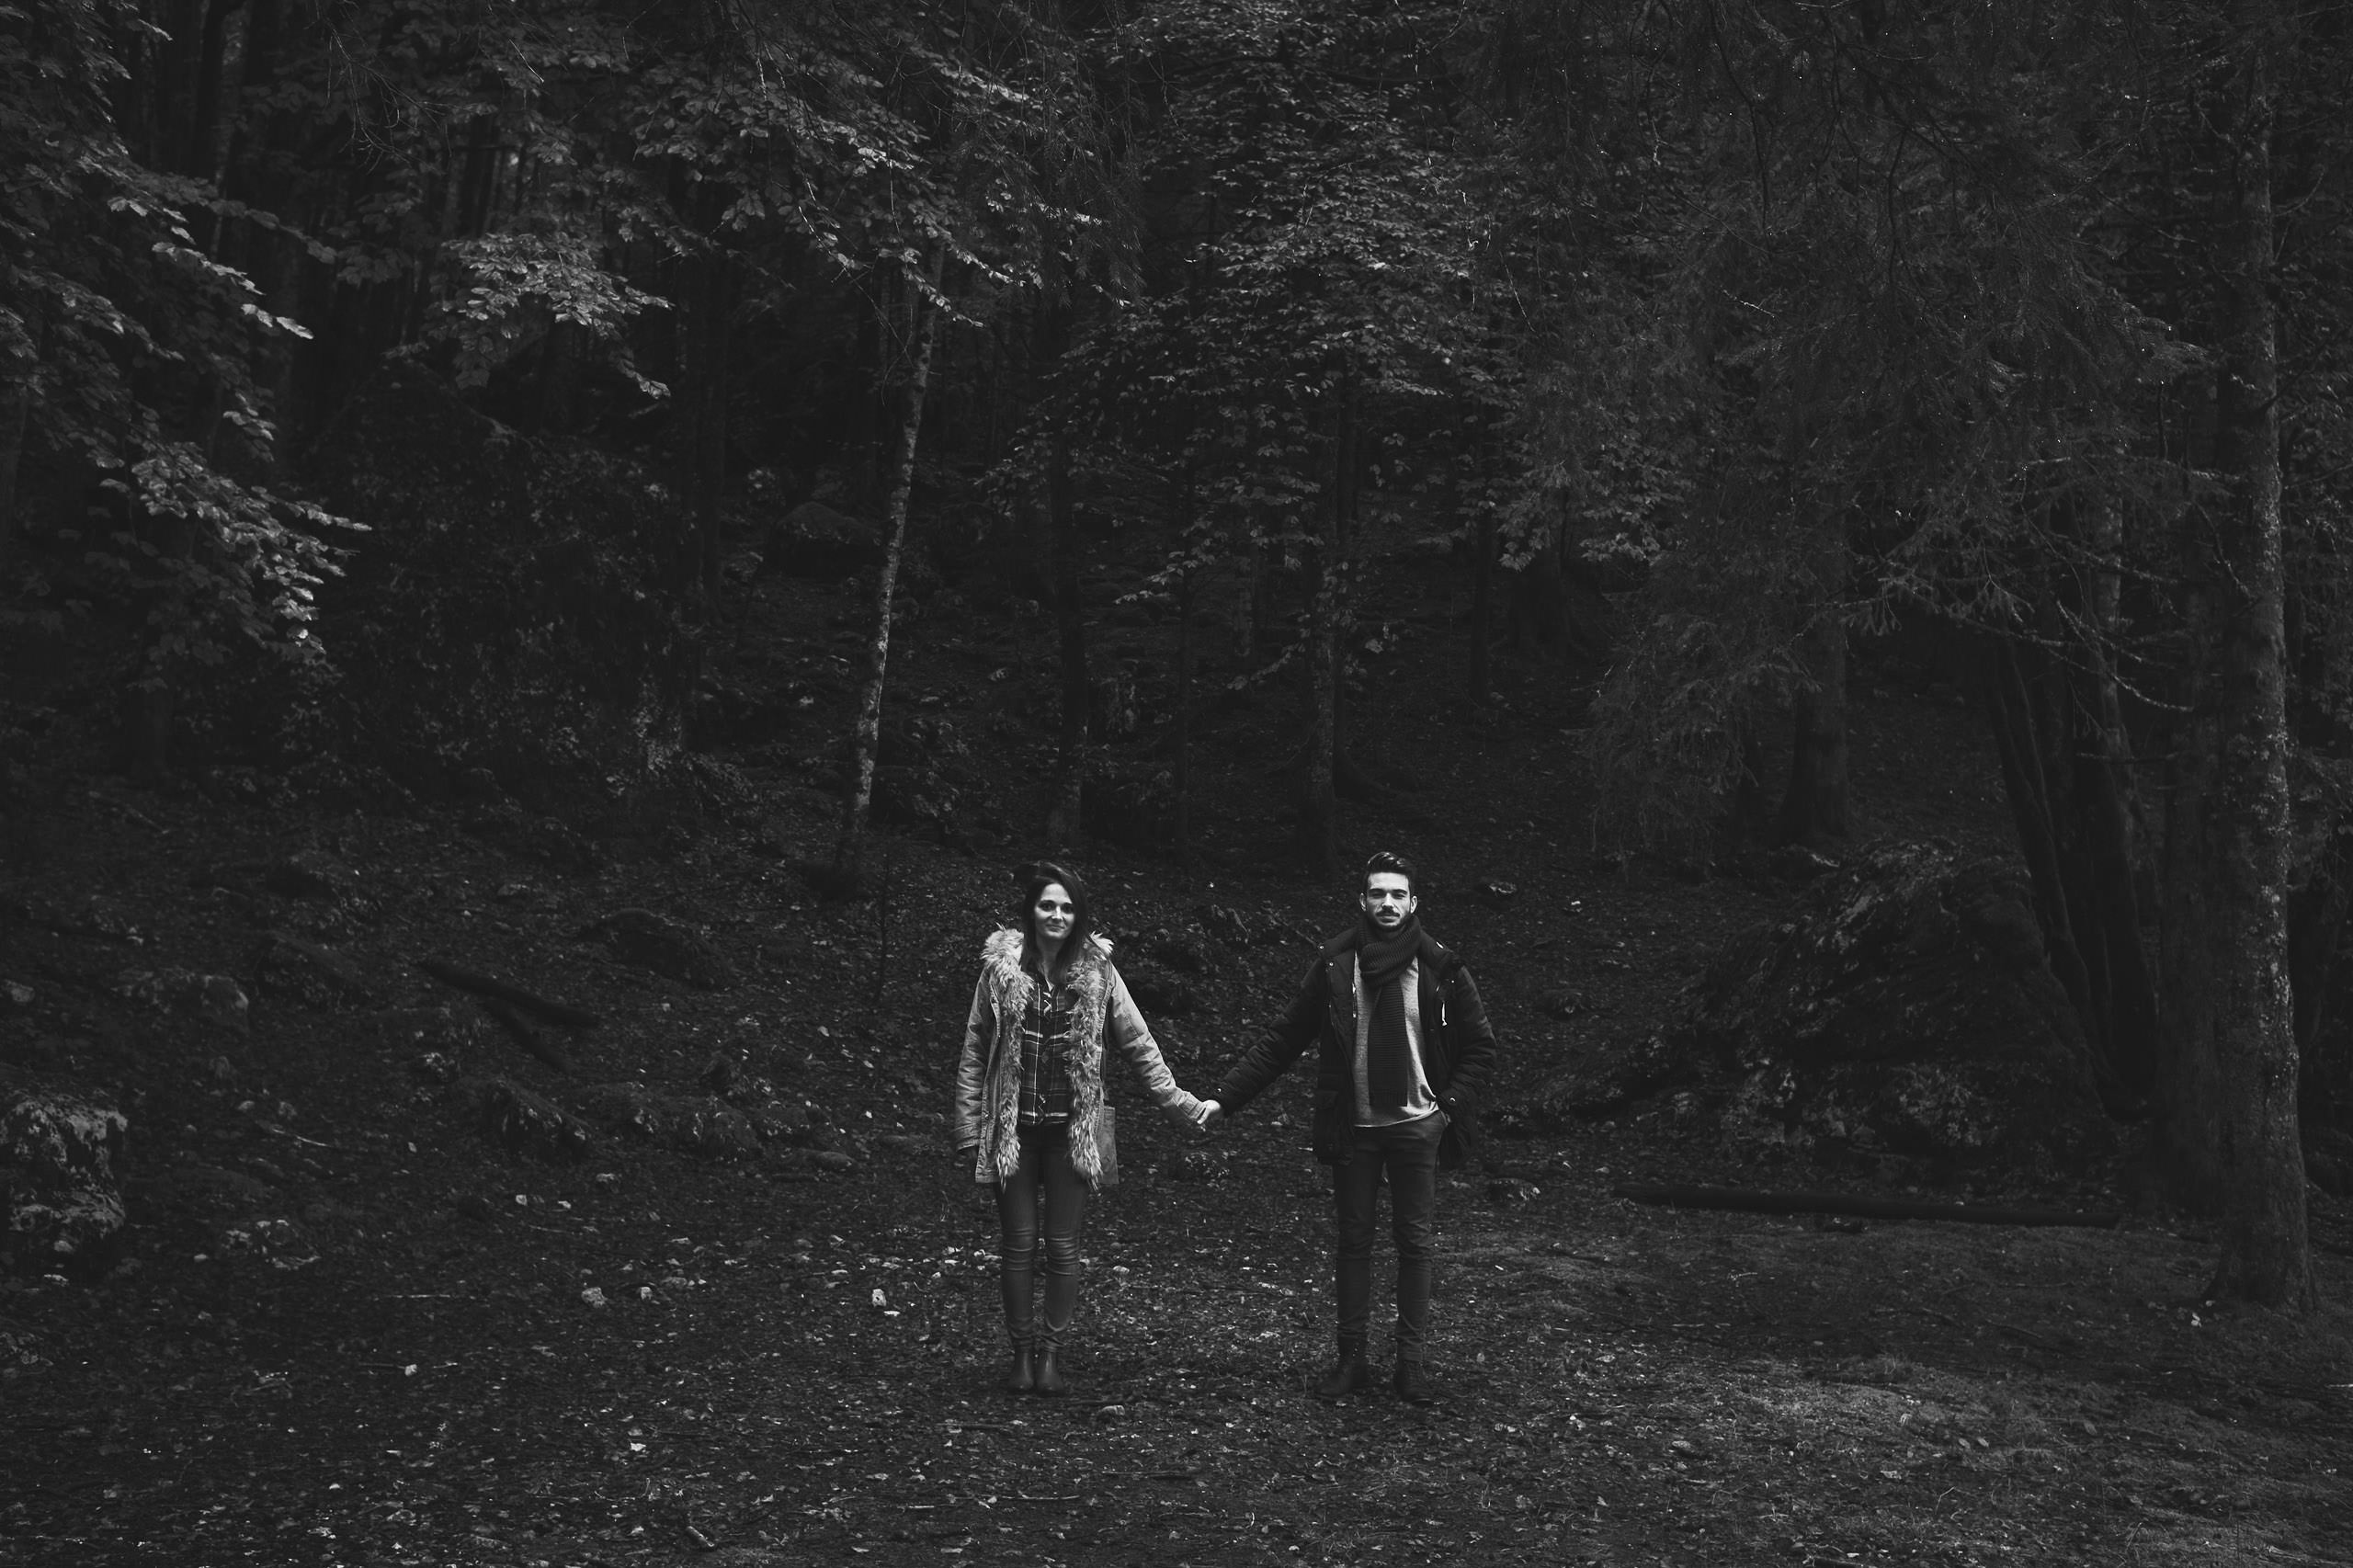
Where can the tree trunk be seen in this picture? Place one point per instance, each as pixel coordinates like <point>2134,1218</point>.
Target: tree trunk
<point>2230,1095</point>
<point>1482,603</point>
<point>16,413</point>
<point>1182,771</point>
<point>710,421</point>
<point>849,848</point>
<point>2103,780</point>
<point>1316,841</point>
<point>1813,810</point>
<point>1063,817</point>
<point>204,127</point>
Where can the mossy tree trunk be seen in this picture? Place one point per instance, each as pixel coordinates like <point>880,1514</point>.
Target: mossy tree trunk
<point>2229,1087</point>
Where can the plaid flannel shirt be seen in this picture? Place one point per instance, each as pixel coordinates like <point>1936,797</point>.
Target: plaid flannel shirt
<point>1045,1071</point>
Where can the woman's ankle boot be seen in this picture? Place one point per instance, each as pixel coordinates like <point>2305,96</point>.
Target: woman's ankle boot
<point>1021,1372</point>
<point>1050,1383</point>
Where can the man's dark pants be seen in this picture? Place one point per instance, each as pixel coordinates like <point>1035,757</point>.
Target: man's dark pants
<point>1407,1154</point>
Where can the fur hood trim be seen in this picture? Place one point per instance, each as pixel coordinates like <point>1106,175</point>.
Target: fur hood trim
<point>1087,990</point>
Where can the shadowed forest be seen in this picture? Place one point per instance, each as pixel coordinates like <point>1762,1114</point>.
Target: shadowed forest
<point>555,557</point>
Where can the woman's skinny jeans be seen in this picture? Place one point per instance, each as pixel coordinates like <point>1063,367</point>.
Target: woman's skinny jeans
<point>1046,1172</point>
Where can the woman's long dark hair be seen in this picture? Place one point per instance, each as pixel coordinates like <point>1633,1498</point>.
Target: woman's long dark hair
<point>1036,878</point>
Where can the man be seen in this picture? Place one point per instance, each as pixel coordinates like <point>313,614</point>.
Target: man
<point>1406,1047</point>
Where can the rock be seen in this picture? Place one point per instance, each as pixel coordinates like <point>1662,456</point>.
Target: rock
<point>668,948</point>
<point>908,1144</point>
<point>59,1209</point>
<point>304,971</point>
<point>308,874</point>
<point>525,1123</point>
<point>815,541</point>
<point>16,996</point>
<point>436,1067</point>
<point>831,1160</point>
<point>1193,1165</point>
<point>214,998</point>
<point>690,1124</point>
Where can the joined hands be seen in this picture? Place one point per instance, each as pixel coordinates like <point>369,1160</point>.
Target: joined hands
<point>1209,1113</point>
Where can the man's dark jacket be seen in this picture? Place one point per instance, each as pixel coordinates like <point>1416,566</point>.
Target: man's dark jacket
<point>1458,1047</point>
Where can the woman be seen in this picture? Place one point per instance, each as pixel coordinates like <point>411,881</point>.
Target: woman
<point>1031,1119</point>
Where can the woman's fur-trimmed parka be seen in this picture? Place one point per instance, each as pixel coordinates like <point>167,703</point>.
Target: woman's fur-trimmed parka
<point>988,1073</point>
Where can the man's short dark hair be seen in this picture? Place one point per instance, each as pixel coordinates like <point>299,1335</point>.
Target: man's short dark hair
<point>1391,862</point>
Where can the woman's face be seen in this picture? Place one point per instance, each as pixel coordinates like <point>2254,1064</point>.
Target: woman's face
<point>1054,912</point>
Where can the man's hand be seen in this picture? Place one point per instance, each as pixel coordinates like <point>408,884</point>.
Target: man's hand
<point>1210,1110</point>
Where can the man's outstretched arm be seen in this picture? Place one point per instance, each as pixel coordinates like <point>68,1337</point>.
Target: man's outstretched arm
<point>1278,1048</point>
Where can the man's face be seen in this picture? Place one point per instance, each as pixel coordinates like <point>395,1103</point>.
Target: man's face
<point>1388,899</point>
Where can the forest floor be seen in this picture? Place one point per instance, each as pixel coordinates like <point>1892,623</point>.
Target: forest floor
<point>350,1330</point>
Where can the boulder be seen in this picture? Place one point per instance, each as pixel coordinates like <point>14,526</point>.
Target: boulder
<point>648,940</point>
<point>690,1124</point>
<point>524,1123</point>
<point>1904,1008</point>
<point>60,1207</point>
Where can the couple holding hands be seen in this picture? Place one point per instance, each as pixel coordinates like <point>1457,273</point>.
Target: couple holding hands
<point>1404,1048</point>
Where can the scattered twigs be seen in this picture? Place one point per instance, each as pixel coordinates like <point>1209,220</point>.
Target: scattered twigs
<point>503,990</point>
<point>524,1035</point>
<point>309,1142</point>
<point>1757,1200</point>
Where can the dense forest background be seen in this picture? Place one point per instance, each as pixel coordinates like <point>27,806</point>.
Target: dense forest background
<point>399,399</point>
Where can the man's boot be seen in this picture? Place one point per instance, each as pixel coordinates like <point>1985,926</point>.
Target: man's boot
<point>1412,1386</point>
<point>1348,1374</point>
<point>1021,1372</point>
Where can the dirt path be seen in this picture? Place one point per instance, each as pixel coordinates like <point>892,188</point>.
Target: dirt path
<point>1623,1386</point>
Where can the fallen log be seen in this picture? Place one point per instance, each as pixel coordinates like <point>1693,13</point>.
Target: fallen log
<point>1757,1200</point>
<point>524,1035</point>
<point>514,995</point>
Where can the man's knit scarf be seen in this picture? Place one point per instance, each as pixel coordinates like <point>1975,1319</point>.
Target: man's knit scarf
<point>1381,960</point>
